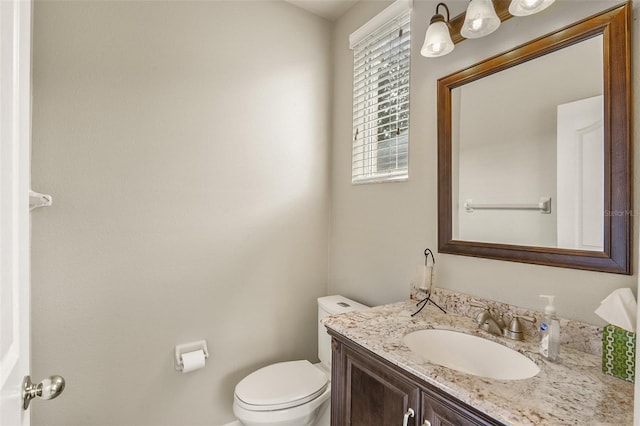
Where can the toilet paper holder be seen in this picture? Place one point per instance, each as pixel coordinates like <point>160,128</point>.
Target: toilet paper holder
<point>189,347</point>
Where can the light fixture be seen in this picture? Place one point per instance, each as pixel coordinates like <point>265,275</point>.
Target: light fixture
<point>528,7</point>
<point>480,20</point>
<point>437,41</point>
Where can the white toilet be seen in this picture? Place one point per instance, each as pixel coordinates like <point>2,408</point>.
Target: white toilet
<point>293,393</point>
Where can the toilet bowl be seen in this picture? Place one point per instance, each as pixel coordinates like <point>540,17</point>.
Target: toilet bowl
<point>293,393</point>
<point>284,394</point>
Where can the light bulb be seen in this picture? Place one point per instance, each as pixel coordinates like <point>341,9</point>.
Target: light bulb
<point>530,4</point>
<point>437,41</point>
<point>528,7</point>
<point>480,19</point>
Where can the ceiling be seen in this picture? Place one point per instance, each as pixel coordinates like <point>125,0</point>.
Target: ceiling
<point>328,9</point>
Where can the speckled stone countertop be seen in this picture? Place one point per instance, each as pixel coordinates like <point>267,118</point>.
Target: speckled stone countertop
<point>572,392</point>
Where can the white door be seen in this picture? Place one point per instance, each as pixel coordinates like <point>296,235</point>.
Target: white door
<point>580,178</point>
<point>15,124</point>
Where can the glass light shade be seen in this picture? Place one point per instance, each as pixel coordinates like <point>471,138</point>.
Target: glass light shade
<point>437,41</point>
<point>528,7</point>
<point>480,20</point>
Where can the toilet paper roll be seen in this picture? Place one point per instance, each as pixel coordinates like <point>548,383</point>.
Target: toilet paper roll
<point>423,276</point>
<point>192,360</point>
<point>427,278</point>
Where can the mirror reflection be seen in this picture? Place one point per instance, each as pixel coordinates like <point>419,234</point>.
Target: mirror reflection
<point>527,153</point>
<point>534,150</point>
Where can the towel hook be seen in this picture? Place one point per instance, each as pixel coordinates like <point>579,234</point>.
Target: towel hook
<point>428,252</point>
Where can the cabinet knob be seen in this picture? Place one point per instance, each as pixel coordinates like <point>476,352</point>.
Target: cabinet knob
<point>409,413</point>
<point>426,423</point>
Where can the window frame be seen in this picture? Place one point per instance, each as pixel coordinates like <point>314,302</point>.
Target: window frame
<point>380,47</point>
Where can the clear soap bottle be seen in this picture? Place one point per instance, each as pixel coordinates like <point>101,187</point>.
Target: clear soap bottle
<point>550,328</point>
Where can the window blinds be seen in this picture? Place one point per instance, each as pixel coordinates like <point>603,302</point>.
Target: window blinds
<point>381,103</point>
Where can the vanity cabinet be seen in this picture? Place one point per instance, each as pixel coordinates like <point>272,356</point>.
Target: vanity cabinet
<point>367,390</point>
<point>443,410</point>
<point>363,394</point>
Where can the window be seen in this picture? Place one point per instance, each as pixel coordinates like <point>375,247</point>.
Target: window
<point>381,60</point>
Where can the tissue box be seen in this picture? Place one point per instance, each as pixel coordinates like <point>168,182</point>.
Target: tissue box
<point>619,353</point>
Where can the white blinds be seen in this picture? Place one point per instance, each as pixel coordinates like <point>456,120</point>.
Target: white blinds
<point>381,103</point>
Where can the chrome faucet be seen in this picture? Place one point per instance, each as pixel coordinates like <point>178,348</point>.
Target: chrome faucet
<point>496,325</point>
<point>487,322</point>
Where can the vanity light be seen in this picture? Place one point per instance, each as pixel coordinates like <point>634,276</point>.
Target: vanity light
<point>528,7</point>
<point>480,20</point>
<point>437,41</point>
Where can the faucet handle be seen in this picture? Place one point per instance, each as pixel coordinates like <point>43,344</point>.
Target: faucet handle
<point>524,317</point>
<point>478,305</point>
<point>482,315</point>
<point>515,331</point>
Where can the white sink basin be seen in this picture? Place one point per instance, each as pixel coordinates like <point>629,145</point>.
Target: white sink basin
<point>470,354</point>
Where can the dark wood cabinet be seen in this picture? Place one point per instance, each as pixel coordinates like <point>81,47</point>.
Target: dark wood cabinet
<point>370,395</point>
<point>443,410</point>
<point>367,390</point>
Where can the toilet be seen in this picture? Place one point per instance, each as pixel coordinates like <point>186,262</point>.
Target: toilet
<point>293,393</point>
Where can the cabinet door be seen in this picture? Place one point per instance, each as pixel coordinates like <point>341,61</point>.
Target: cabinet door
<point>375,395</point>
<point>438,410</point>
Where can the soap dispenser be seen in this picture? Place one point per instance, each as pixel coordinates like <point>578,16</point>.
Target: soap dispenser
<point>550,328</point>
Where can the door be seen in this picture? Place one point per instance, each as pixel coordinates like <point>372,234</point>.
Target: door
<point>15,124</point>
<point>373,395</point>
<point>580,177</point>
<point>443,410</point>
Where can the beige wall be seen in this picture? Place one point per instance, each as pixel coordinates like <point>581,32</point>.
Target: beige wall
<point>379,232</point>
<point>159,235</point>
<point>186,146</point>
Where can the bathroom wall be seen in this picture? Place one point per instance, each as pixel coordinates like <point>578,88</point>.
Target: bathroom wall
<point>379,232</point>
<point>186,146</point>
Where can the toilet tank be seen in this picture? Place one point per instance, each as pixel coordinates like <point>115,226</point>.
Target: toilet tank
<point>332,305</point>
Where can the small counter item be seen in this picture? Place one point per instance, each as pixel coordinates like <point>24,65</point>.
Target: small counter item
<point>619,353</point>
<point>550,328</point>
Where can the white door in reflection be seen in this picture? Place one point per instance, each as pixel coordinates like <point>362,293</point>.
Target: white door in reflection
<point>580,174</point>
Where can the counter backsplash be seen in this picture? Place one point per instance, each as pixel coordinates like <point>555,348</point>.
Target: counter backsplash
<point>575,334</point>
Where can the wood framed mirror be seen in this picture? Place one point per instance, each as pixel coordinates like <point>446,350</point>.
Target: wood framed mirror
<point>512,187</point>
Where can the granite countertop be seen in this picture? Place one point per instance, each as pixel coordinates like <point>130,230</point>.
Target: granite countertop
<point>571,392</point>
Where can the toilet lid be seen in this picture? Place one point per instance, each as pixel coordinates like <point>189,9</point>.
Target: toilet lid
<point>281,385</point>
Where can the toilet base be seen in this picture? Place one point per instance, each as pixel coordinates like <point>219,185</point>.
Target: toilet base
<point>325,416</point>
<point>304,415</point>
<point>316,412</point>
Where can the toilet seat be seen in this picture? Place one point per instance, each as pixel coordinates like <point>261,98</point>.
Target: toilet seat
<point>280,386</point>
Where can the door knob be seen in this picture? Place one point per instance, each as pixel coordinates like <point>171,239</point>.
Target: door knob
<point>47,389</point>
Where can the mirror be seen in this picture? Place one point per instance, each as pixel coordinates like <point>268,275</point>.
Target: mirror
<point>510,157</point>
<point>534,151</point>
